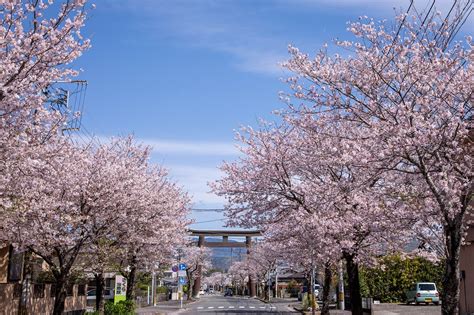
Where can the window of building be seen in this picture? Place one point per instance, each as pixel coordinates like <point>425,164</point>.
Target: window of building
<point>17,291</point>
<point>38,290</point>
<point>70,290</point>
<point>81,290</point>
<point>53,290</point>
<point>15,265</point>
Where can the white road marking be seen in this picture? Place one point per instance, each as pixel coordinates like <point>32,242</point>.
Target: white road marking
<point>251,306</point>
<point>200,307</point>
<point>262,307</point>
<point>241,306</point>
<point>210,307</point>
<point>221,307</point>
<point>231,307</point>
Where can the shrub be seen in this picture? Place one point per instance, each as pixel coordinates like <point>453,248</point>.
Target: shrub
<point>162,290</point>
<point>390,282</point>
<point>121,308</point>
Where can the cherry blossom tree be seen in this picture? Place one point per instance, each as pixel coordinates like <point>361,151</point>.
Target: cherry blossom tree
<point>39,41</point>
<point>217,279</point>
<point>293,249</point>
<point>198,261</point>
<point>239,272</point>
<point>262,260</point>
<point>294,173</point>
<point>60,200</point>
<point>146,225</point>
<point>74,203</point>
<point>155,222</point>
<point>409,89</point>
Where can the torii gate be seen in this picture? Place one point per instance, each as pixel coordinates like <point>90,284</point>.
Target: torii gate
<point>225,243</point>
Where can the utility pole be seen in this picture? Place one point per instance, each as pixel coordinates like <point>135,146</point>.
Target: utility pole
<point>153,287</point>
<point>313,302</point>
<point>276,283</point>
<point>341,286</point>
<point>180,286</point>
<point>148,301</point>
<point>269,284</point>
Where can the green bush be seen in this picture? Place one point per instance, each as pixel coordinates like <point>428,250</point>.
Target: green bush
<point>162,290</point>
<point>389,282</point>
<point>121,308</point>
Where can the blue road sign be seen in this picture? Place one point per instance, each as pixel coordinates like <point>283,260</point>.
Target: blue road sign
<point>182,280</point>
<point>182,266</point>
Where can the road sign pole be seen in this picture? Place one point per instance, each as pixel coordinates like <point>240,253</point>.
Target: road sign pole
<point>153,288</point>
<point>341,286</point>
<point>181,268</point>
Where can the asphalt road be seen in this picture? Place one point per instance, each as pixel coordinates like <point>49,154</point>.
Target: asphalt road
<point>218,304</point>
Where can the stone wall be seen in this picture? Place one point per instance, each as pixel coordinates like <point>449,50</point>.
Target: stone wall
<point>39,300</point>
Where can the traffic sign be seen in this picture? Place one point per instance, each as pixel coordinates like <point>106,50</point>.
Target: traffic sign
<point>174,268</point>
<point>182,280</point>
<point>182,266</point>
<point>182,273</point>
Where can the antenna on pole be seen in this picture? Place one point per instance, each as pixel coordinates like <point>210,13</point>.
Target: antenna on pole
<point>68,98</point>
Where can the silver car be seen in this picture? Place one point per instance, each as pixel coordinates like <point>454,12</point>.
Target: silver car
<point>423,292</point>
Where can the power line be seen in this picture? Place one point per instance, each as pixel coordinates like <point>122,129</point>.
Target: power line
<point>216,220</point>
<point>208,209</point>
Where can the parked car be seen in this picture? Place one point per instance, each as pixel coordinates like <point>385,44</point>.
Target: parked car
<point>108,294</point>
<point>201,292</point>
<point>423,292</point>
<point>228,292</point>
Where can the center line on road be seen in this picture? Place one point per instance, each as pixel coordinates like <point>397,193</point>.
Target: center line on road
<point>200,307</point>
<point>231,307</point>
<point>210,307</point>
<point>251,306</point>
<point>262,307</point>
<point>221,307</point>
<point>241,306</point>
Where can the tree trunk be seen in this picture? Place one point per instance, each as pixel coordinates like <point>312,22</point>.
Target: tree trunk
<point>190,285</point>
<point>191,289</point>
<point>59,295</point>
<point>326,288</point>
<point>99,292</point>
<point>451,277</point>
<point>354,285</point>
<point>197,281</point>
<point>25,283</point>
<point>130,294</point>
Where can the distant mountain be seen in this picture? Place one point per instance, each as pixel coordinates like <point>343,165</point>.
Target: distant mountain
<point>222,257</point>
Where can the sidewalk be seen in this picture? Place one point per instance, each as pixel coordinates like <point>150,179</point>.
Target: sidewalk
<point>167,307</point>
<point>287,303</point>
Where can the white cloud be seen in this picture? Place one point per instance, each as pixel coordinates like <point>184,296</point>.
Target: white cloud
<point>174,156</point>
<point>182,147</point>
<point>195,179</point>
<point>218,25</point>
<point>166,146</point>
<point>214,25</point>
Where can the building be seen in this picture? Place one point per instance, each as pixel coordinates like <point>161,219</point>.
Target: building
<point>35,296</point>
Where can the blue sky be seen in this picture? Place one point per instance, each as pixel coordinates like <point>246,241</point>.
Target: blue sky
<point>183,75</point>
